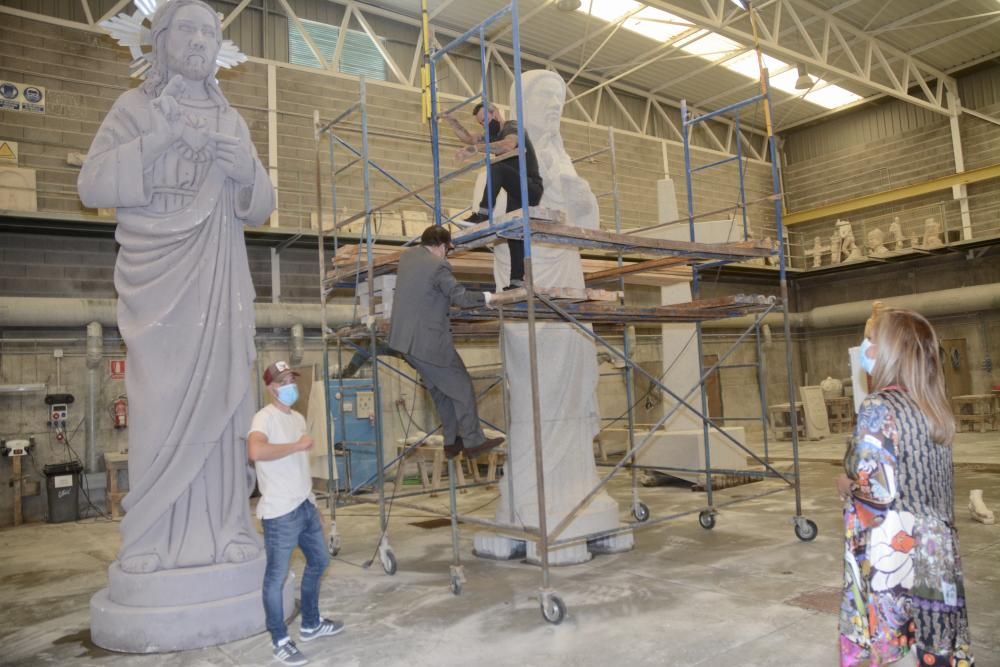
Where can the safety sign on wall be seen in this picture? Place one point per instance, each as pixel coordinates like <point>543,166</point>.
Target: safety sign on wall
<point>21,97</point>
<point>117,368</point>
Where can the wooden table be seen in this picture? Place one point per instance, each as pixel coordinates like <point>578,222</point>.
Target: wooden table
<point>115,464</point>
<point>840,414</point>
<point>973,410</point>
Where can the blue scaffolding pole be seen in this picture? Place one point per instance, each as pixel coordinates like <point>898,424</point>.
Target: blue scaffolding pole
<point>359,156</point>
<point>520,226</point>
<point>804,528</point>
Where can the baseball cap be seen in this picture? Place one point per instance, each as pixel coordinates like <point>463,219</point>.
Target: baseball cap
<point>276,371</point>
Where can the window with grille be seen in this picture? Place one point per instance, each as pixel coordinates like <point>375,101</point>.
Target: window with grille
<point>359,55</point>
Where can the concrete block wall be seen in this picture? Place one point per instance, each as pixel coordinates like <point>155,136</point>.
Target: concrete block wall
<point>824,352</point>
<point>891,145</point>
<point>84,73</point>
<point>49,265</point>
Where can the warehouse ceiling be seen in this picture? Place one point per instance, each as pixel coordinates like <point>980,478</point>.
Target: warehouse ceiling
<point>702,50</point>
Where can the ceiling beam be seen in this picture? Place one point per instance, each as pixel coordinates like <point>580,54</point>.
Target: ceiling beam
<point>854,41</point>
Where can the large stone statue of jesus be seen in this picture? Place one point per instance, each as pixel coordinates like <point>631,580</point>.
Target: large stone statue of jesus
<point>567,368</point>
<point>176,161</point>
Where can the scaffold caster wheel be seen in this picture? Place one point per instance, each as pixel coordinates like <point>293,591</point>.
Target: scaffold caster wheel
<point>456,586</point>
<point>553,609</point>
<point>706,519</point>
<point>334,545</point>
<point>641,512</point>
<point>389,562</point>
<point>805,529</point>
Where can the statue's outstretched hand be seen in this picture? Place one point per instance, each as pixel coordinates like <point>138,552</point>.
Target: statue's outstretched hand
<point>234,157</point>
<point>167,121</point>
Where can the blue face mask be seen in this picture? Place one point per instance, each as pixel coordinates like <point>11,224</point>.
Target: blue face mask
<point>288,394</point>
<point>867,363</point>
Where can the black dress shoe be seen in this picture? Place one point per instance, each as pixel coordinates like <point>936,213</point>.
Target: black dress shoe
<point>455,448</point>
<point>476,218</point>
<point>485,446</point>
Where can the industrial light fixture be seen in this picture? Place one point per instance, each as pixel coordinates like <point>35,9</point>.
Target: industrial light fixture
<point>804,82</point>
<point>568,5</point>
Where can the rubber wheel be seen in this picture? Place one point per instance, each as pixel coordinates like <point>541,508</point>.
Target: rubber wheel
<point>456,586</point>
<point>806,530</point>
<point>706,520</point>
<point>389,563</point>
<point>641,512</point>
<point>554,609</point>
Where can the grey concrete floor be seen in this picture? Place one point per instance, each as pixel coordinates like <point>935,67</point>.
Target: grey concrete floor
<point>746,593</point>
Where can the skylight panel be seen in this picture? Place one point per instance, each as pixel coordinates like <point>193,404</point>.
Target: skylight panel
<point>657,24</point>
<point>711,46</point>
<point>661,26</point>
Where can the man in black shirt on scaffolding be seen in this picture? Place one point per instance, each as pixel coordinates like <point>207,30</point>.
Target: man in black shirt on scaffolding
<point>505,174</point>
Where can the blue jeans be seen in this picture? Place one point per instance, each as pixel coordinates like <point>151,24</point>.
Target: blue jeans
<point>300,527</point>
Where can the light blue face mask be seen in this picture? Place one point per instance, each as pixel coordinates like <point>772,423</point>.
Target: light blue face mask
<point>288,394</point>
<point>867,363</point>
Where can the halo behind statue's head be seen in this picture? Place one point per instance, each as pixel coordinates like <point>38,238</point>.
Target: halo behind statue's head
<point>530,82</point>
<point>129,30</point>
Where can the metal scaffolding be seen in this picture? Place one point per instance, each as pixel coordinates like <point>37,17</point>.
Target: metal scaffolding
<point>532,304</point>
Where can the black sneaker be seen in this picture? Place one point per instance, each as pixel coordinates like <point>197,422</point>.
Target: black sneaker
<point>289,654</point>
<point>476,218</point>
<point>326,628</point>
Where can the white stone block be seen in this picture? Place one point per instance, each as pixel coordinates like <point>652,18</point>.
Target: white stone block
<point>17,189</point>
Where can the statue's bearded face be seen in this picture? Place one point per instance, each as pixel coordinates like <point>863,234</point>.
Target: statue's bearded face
<point>192,43</point>
<point>548,98</point>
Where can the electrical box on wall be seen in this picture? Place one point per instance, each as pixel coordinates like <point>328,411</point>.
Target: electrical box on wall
<point>353,413</point>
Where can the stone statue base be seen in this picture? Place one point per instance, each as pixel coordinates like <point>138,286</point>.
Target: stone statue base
<point>183,608</point>
<point>598,517</point>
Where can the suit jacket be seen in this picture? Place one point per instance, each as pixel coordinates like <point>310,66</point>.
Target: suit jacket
<point>425,290</point>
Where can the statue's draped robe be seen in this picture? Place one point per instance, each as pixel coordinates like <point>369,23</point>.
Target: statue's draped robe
<point>567,366</point>
<point>186,313</point>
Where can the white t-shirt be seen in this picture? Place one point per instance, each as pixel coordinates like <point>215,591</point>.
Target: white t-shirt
<point>284,483</point>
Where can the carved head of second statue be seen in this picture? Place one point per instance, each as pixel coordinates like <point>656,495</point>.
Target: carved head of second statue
<point>544,96</point>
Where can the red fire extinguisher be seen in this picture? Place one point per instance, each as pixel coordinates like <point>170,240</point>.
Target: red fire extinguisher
<point>119,412</point>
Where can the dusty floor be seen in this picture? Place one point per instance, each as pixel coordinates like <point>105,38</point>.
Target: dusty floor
<point>746,593</point>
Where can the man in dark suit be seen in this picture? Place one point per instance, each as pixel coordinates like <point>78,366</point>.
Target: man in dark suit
<point>420,330</point>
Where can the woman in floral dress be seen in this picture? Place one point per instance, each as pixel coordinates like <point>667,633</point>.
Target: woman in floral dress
<point>903,586</point>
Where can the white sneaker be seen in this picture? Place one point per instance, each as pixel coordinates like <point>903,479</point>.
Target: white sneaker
<point>289,654</point>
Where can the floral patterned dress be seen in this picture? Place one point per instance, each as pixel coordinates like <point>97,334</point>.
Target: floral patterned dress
<point>903,585</point>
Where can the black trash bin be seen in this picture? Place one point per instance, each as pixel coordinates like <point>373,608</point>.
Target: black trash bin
<point>62,481</point>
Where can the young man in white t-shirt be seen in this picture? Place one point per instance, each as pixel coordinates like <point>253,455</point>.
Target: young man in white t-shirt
<point>278,445</point>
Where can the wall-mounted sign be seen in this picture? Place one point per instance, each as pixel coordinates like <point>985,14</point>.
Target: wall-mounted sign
<point>8,152</point>
<point>117,368</point>
<point>21,97</point>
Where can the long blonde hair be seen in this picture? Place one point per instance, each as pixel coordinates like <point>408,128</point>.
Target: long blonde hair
<point>906,354</point>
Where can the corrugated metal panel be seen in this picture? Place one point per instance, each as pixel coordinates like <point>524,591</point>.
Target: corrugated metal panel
<point>359,55</point>
<point>980,89</point>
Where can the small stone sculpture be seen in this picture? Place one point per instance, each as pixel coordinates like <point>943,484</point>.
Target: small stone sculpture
<point>849,249</point>
<point>978,509</point>
<point>817,252</point>
<point>896,240</point>
<point>874,241</point>
<point>932,233</point>
<point>835,246</point>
